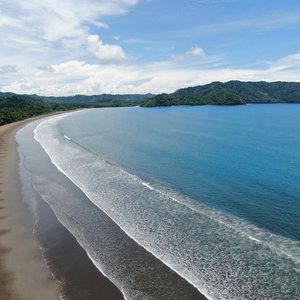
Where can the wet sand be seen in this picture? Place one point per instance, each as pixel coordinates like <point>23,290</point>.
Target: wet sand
<point>23,271</point>
<point>26,258</point>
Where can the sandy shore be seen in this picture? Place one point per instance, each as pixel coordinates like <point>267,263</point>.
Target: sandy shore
<point>22,270</point>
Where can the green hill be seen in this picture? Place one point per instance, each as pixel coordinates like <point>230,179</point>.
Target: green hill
<point>230,93</point>
<point>14,107</point>
<point>102,100</point>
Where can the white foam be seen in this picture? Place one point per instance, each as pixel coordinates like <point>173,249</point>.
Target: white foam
<point>278,244</point>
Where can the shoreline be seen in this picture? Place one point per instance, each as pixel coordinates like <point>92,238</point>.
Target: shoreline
<point>134,270</point>
<point>27,271</point>
<point>22,268</point>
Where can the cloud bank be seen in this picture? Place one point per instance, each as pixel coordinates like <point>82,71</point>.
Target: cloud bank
<point>54,47</point>
<point>78,77</point>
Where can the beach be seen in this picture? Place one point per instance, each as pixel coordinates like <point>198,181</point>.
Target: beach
<point>42,258</point>
<point>125,174</point>
<point>104,247</point>
<point>108,224</point>
<point>23,271</point>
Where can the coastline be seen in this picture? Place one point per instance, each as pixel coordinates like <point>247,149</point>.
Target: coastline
<point>132,268</point>
<point>24,262</point>
<point>135,271</point>
<point>22,268</point>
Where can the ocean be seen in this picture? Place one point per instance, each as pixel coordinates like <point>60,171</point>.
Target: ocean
<point>176,202</point>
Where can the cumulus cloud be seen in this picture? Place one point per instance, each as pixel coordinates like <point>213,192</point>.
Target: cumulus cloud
<point>48,44</point>
<point>195,52</point>
<point>78,77</point>
<point>58,26</point>
<point>104,53</point>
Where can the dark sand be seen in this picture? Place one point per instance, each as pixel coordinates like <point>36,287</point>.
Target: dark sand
<point>78,277</point>
<point>23,270</point>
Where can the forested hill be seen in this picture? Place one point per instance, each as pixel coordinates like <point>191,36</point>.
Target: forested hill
<point>14,107</point>
<point>230,93</point>
<point>103,100</point>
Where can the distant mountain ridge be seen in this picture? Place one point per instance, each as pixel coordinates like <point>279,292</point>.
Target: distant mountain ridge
<point>123,100</point>
<point>230,93</point>
<point>15,107</point>
<point>107,99</point>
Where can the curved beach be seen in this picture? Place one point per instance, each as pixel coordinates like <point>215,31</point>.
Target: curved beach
<point>41,259</point>
<point>23,270</point>
<point>96,211</point>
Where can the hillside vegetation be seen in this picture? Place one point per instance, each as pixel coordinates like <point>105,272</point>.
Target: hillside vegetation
<point>230,93</point>
<point>102,100</point>
<point>14,107</point>
<point>19,107</point>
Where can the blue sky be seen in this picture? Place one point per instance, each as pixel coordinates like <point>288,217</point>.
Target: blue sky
<point>66,47</point>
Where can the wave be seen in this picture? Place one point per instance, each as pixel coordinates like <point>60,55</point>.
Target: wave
<point>222,256</point>
<point>280,245</point>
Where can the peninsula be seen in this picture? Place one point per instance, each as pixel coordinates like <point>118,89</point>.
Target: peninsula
<point>230,93</point>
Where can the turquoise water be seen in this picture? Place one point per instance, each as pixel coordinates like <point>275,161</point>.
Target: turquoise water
<point>242,160</point>
<point>201,199</point>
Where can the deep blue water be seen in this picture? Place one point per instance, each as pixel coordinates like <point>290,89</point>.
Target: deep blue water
<point>242,160</point>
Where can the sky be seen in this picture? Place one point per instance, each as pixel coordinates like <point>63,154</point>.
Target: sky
<point>68,47</point>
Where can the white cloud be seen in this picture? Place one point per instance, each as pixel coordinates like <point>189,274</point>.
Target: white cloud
<point>56,19</point>
<point>6,21</point>
<point>195,52</point>
<point>105,54</point>
<point>49,43</point>
<point>78,77</point>
<point>50,28</point>
<point>288,62</point>
<point>100,25</point>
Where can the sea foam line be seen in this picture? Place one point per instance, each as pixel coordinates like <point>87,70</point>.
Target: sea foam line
<point>218,217</point>
<point>60,117</point>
